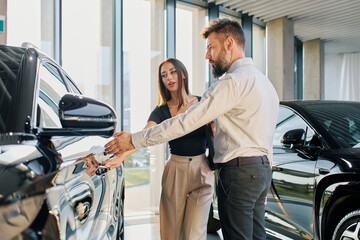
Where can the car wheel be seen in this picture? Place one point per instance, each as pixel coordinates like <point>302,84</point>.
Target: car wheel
<point>349,227</point>
<point>120,230</point>
<point>213,224</point>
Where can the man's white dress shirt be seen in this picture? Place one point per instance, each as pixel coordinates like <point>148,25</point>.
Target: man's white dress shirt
<point>244,106</point>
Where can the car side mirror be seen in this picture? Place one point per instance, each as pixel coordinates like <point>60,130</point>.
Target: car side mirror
<point>81,116</point>
<point>293,138</point>
<point>78,111</point>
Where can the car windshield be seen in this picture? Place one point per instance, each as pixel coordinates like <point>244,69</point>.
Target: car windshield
<point>9,64</point>
<point>340,119</point>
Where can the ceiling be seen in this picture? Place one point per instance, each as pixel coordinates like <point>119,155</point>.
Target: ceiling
<point>336,22</point>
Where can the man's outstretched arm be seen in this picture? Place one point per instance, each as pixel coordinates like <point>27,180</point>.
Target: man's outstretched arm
<point>199,114</point>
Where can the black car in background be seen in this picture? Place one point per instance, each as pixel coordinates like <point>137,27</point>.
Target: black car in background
<point>52,185</point>
<point>315,191</point>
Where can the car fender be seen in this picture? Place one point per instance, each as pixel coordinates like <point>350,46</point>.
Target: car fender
<point>328,191</point>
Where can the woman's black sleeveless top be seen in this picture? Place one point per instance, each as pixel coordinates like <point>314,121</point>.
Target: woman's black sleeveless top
<point>192,144</point>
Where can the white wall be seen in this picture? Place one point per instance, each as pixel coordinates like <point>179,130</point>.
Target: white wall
<point>332,75</point>
<point>23,22</point>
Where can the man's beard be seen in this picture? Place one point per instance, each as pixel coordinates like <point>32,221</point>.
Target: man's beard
<point>221,65</point>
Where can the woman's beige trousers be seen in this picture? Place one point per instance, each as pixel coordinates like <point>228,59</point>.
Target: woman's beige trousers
<point>187,190</point>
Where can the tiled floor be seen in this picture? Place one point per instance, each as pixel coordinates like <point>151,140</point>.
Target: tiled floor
<point>148,228</point>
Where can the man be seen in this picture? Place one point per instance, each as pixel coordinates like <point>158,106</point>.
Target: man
<point>244,105</point>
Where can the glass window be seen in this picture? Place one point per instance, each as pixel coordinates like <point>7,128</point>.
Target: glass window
<point>52,88</point>
<point>36,24</point>
<point>88,46</point>
<point>71,84</point>
<point>340,121</point>
<point>143,44</point>
<point>9,68</point>
<point>288,120</point>
<point>190,47</point>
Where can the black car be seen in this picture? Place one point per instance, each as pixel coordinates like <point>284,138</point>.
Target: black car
<point>315,191</point>
<point>52,183</point>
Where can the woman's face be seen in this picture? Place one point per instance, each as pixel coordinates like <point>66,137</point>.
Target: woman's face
<point>169,76</point>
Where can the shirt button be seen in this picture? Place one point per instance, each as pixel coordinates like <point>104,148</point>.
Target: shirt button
<point>190,159</point>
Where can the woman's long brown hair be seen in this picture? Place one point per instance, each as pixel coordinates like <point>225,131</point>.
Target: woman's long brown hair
<point>183,80</point>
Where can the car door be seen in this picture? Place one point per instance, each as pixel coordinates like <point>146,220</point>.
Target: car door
<point>79,199</point>
<point>290,199</point>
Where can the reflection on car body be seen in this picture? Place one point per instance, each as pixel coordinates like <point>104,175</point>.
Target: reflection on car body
<point>315,190</point>
<point>47,129</point>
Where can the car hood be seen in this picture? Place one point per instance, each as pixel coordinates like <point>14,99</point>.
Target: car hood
<point>14,138</point>
<point>23,169</point>
<point>13,152</point>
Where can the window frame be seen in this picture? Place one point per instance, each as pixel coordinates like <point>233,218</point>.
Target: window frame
<point>307,127</point>
<point>42,62</point>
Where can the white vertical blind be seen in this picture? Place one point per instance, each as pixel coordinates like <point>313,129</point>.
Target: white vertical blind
<point>350,77</point>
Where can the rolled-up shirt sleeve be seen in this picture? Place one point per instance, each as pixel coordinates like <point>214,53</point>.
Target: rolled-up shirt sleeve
<point>220,98</point>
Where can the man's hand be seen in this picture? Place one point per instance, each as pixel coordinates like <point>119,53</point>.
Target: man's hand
<point>120,144</point>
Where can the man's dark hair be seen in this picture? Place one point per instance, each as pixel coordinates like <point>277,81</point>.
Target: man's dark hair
<point>226,27</point>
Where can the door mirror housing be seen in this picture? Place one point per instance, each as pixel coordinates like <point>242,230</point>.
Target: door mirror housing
<point>77,111</point>
<point>80,115</point>
<point>293,138</point>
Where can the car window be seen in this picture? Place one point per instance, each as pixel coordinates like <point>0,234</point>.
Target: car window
<point>9,65</point>
<point>340,120</point>
<point>71,84</point>
<point>345,130</point>
<point>289,120</point>
<point>52,88</point>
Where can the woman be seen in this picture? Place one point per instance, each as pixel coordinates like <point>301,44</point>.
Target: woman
<point>187,182</point>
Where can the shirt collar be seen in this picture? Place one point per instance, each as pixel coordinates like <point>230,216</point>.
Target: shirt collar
<point>240,62</point>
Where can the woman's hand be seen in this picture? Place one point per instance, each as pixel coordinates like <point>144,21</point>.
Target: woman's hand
<point>114,162</point>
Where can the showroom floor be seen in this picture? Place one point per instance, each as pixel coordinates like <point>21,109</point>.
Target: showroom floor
<point>148,228</point>
<point>140,221</point>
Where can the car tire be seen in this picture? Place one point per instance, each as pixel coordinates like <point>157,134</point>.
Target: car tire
<point>213,224</point>
<point>348,227</point>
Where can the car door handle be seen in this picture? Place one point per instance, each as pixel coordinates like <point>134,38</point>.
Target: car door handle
<point>324,171</point>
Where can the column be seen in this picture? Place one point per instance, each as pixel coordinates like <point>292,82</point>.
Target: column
<point>157,153</point>
<point>313,69</point>
<point>280,56</point>
<point>171,28</point>
<point>213,13</point>
<point>247,25</point>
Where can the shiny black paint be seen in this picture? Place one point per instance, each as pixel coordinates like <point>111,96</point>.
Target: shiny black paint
<point>43,168</point>
<point>311,193</point>
<point>24,91</point>
<point>80,111</point>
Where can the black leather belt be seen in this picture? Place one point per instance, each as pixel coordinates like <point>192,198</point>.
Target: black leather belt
<point>243,161</point>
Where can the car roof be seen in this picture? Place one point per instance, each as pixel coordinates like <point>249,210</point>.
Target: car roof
<point>301,106</point>
<point>320,113</point>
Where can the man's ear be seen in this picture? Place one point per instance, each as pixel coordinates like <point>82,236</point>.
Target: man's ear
<point>229,43</point>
